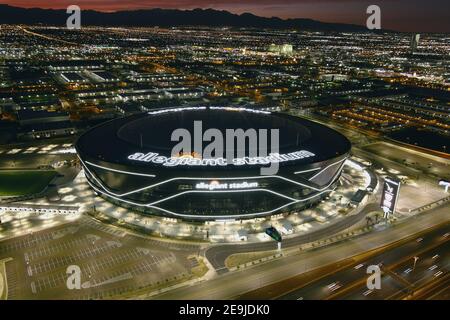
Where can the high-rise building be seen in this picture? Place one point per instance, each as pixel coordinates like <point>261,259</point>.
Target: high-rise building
<point>414,42</point>
<point>281,49</point>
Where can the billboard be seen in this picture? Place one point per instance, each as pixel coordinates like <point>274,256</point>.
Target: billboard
<point>389,196</point>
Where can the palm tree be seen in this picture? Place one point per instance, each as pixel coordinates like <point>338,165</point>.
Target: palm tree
<point>377,217</point>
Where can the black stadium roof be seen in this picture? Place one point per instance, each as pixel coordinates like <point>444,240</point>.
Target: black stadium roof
<point>115,140</point>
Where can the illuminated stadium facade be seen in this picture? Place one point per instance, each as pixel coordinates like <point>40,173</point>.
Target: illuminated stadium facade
<point>129,162</point>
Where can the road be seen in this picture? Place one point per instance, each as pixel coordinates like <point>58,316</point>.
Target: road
<point>217,255</point>
<point>32,33</point>
<point>431,263</point>
<point>399,274</point>
<point>233,284</point>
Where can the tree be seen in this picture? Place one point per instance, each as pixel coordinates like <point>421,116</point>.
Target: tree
<point>377,217</point>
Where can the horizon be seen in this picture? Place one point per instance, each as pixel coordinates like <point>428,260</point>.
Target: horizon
<point>418,17</point>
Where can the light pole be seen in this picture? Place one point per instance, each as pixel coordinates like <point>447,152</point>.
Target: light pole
<point>415,261</point>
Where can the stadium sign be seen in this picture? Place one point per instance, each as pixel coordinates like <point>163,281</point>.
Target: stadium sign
<point>153,157</point>
<point>215,185</point>
<point>391,189</point>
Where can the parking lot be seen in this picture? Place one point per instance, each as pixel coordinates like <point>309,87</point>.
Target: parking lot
<point>111,261</point>
<point>420,162</point>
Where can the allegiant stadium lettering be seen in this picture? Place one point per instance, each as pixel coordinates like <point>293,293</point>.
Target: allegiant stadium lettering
<point>215,185</point>
<point>153,157</point>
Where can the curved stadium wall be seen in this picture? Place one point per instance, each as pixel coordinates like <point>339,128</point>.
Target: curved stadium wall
<point>128,161</point>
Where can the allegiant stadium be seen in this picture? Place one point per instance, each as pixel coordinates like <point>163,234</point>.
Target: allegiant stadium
<point>130,161</point>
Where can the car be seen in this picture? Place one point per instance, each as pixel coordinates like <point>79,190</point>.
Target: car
<point>334,286</point>
<point>437,274</point>
<point>367,292</point>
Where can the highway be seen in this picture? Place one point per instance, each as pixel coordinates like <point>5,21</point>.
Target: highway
<point>32,33</point>
<point>399,274</point>
<point>234,284</point>
<point>432,267</point>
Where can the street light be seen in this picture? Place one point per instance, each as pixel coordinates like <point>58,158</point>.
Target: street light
<point>415,261</point>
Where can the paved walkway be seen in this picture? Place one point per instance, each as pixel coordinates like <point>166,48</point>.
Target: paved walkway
<point>79,193</point>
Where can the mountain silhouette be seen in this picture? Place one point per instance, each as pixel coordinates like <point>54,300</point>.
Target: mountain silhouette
<point>166,18</point>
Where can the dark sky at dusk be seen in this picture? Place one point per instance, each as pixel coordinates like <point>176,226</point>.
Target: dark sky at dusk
<point>403,15</point>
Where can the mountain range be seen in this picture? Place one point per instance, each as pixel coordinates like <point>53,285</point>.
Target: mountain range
<point>167,18</point>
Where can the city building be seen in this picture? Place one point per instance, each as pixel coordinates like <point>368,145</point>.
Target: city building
<point>414,42</point>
